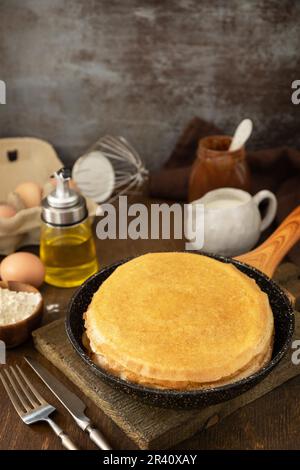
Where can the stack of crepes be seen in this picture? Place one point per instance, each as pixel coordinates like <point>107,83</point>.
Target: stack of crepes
<point>179,321</point>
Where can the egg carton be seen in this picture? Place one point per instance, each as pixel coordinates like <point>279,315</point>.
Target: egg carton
<point>25,159</point>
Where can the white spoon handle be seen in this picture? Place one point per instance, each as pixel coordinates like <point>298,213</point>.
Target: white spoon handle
<point>241,135</point>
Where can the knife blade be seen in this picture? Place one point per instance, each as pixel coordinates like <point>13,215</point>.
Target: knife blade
<point>75,406</point>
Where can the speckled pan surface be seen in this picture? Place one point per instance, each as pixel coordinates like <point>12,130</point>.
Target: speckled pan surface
<point>284,328</point>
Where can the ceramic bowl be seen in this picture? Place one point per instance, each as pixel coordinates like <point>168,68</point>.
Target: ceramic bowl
<point>14,334</point>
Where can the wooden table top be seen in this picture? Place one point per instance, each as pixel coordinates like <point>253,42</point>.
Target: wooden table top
<point>272,422</point>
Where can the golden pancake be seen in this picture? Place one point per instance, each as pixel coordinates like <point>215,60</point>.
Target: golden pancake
<point>116,369</point>
<point>180,320</point>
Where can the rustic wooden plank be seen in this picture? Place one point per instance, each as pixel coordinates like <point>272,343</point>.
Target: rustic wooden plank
<point>148,427</point>
<point>286,272</point>
<point>288,276</point>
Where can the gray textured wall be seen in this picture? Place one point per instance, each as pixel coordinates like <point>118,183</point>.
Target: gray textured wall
<point>76,69</point>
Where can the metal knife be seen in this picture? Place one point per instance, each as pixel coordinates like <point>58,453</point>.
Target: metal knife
<point>71,402</point>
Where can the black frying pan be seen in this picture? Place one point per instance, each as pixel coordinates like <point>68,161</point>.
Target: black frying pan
<point>267,256</point>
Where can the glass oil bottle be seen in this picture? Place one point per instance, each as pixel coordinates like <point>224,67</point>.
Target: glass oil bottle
<point>67,247</point>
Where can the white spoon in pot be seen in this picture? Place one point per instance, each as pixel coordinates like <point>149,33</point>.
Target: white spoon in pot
<point>241,135</point>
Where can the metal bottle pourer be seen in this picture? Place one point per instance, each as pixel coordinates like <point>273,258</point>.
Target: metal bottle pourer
<point>63,206</point>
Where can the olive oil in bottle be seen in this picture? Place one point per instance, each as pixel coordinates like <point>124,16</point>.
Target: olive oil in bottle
<point>67,246</point>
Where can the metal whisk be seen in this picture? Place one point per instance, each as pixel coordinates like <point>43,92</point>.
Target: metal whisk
<point>110,168</point>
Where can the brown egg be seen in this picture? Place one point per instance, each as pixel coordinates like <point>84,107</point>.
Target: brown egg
<point>23,267</point>
<point>7,211</point>
<point>30,193</point>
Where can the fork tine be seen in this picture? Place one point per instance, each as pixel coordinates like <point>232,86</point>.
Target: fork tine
<point>31,387</point>
<point>33,402</point>
<point>18,391</point>
<point>13,396</point>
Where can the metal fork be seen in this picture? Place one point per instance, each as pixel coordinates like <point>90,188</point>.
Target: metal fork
<point>29,404</point>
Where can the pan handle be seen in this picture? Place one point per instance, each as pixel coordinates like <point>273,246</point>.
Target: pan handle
<point>268,255</point>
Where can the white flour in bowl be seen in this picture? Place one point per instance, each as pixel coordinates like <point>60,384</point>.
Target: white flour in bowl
<point>16,306</point>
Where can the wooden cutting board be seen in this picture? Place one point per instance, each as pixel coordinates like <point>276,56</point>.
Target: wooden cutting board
<point>156,428</point>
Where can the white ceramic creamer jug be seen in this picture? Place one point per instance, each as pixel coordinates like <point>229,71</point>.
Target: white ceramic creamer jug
<point>232,220</point>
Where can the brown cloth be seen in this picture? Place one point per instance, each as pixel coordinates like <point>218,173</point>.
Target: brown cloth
<point>276,169</point>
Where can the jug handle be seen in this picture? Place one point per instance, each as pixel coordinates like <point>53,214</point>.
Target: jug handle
<point>269,254</point>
